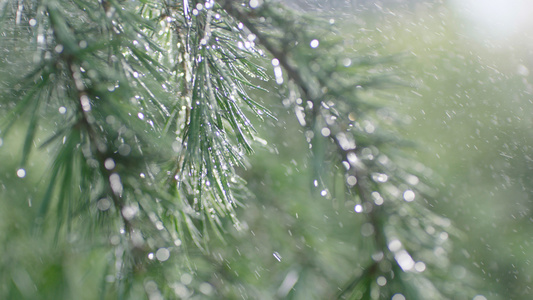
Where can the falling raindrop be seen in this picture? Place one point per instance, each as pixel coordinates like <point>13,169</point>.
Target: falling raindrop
<point>277,256</point>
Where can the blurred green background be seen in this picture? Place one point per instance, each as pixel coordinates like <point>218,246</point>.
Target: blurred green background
<point>467,106</point>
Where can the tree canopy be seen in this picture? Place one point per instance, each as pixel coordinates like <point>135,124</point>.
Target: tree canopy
<point>133,124</point>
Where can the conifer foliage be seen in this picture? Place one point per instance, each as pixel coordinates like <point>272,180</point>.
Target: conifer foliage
<point>144,109</point>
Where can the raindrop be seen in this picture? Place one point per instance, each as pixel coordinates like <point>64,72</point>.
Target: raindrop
<point>103,204</point>
<point>278,74</point>
<point>314,43</point>
<point>367,229</point>
<point>162,254</point>
<point>325,131</point>
<point>380,177</point>
<point>479,297</point>
<point>358,208</point>
<point>159,225</point>
<point>129,212</point>
<point>346,62</point>
<point>420,266</point>
<point>377,256</point>
<point>58,48</point>
<point>395,245</point>
<point>412,180</point>
<point>140,115</point>
<point>124,149</point>
<point>186,278</point>
<point>404,260</point>
<point>381,281</point>
<point>323,193</point>
<point>85,103</point>
<point>254,3</point>
<point>523,70</point>
<point>377,198</point>
<point>277,256</point>
<point>409,195</point>
<point>62,110</point>
<point>32,22</point>
<point>398,297</point>
<point>150,256</point>
<point>206,288</point>
<point>351,180</point>
<point>109,164</point>
<point>116,184</point>
<point>21,173</point>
